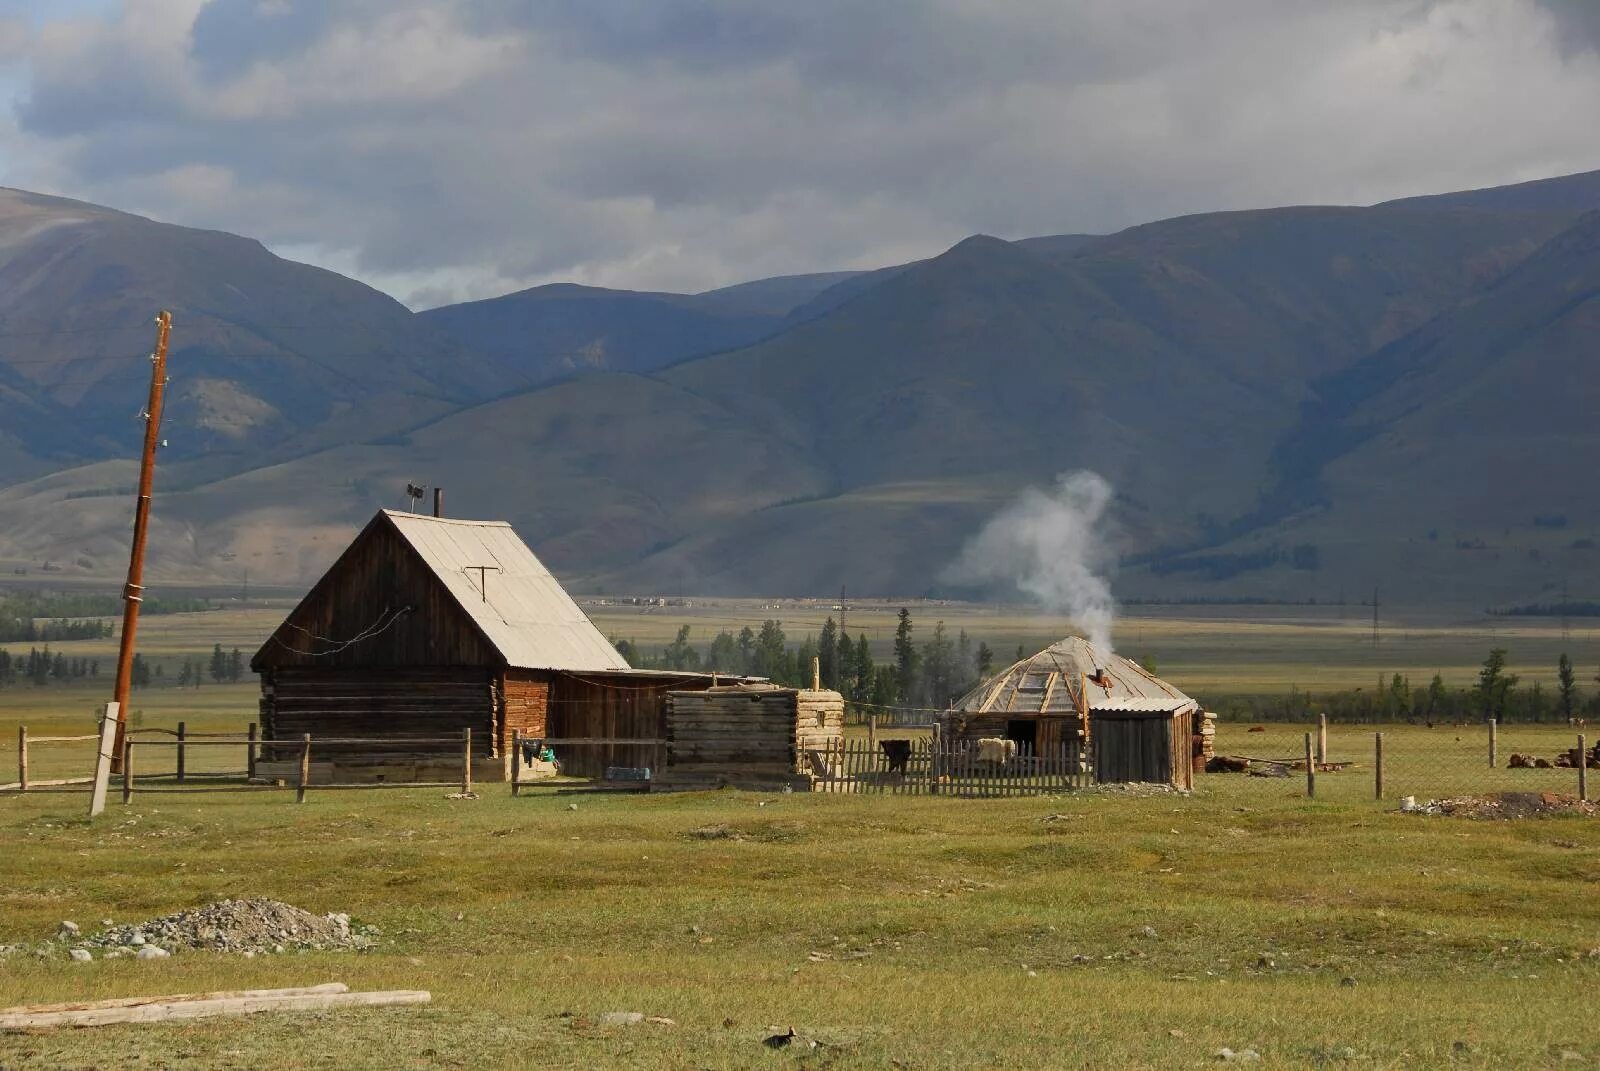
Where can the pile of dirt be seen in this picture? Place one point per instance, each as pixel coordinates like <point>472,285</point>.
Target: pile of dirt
<point>1501,805</point>
<point>246,926</point>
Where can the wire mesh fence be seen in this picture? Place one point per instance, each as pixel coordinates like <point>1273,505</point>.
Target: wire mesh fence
<point>1392,762</point>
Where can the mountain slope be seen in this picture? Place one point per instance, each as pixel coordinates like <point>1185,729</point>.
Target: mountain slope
<point>1395,391</point>
<point>550,331</point>
<point>265,352</point>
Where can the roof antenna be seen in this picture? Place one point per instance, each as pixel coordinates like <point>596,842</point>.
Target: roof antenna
<point>483,577</point>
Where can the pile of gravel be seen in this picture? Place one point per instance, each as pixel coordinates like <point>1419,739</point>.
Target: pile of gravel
<point>244,926</point>
<point>1501,805</point>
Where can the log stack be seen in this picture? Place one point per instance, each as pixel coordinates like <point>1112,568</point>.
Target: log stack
<point>819,723</point>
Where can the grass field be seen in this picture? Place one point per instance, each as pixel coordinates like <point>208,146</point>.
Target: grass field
<point>902,932</point>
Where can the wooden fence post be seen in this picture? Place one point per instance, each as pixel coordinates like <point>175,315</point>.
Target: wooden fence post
<point>1494,743</point>
<point>872,731</point>
<point>305,768</point>
<point>22,758</point>
<point>1322,737</point>
<point>182,748</point>
<point>466,761</point>
<point>1377,765</point>
<point>516,761</point>
<point>250,754</point>
<point>127,768</point>
<point>1311,771</point>
<point>1583,767</point>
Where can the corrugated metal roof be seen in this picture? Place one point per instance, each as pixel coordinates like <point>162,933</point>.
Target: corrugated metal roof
<point>1049,682</point>
<point>519,606</point>
<point>1136,704</point>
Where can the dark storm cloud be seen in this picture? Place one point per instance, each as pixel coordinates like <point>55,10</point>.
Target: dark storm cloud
<point>467,147</point>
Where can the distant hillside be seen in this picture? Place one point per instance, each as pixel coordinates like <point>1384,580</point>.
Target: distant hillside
<point>266,352</point>
<point>1299,402</point>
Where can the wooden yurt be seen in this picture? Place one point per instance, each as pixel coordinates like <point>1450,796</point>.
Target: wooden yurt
<point>1130,725</point>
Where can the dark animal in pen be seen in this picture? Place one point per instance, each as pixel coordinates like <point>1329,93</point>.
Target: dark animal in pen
<point>897,753</point>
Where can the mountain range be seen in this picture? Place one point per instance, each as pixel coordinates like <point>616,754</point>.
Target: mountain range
<point>1291,403</point>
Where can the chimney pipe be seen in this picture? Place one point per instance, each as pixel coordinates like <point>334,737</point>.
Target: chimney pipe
<point>438,501</point>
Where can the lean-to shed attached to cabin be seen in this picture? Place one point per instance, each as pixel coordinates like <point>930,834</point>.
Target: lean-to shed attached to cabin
<point>1132,725</point>
<point>425,626</point>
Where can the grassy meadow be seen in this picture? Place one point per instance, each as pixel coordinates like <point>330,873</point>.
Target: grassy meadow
<point>1102,929</point>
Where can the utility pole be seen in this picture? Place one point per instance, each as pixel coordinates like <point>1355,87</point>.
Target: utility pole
<point>133,591</point>
<point>1374,615</point>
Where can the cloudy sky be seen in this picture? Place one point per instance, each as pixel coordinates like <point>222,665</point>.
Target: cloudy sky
<point>446,149</point>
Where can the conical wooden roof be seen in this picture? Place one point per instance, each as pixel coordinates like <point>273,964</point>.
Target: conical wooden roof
<point>1050,683</point>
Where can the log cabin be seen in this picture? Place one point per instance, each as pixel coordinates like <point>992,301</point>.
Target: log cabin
<point>1131,725</point>
<point>425,626</point>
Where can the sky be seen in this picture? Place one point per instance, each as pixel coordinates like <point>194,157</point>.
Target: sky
<point>459,149</point>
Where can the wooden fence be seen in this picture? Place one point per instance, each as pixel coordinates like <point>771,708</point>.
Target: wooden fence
<point>944,768</point>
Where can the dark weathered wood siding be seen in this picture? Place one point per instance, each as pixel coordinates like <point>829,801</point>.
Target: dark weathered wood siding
<point>389,704</point>
<point>377,576</point>
<point>1142,747</point>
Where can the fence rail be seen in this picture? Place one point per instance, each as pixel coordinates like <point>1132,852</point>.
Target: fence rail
<point>947,768</point>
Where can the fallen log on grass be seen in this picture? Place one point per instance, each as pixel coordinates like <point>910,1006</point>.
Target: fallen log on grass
<point>201,1006</point>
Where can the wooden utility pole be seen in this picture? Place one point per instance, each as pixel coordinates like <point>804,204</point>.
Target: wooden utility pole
<point>133,591</point>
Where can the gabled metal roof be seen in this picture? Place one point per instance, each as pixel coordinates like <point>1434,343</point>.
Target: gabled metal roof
<point>1050,681</point>
<point>518,606</point>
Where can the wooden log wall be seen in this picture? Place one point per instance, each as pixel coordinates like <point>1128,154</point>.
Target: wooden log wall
<point>526,706</point>
<point>746,727</point>
<point>392,704</point>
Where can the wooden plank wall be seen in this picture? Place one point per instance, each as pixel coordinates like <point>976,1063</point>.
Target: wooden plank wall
<point>376,576</point>
<point>592,705</point>
<point>392,704</point>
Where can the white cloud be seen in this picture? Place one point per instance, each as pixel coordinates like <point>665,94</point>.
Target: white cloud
<point>456,149</point>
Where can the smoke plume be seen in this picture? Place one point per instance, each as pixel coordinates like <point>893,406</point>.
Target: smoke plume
<point>1050,546</point>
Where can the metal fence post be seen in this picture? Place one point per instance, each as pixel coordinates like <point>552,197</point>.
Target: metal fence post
<point>22,758</point>
<point>1311,771</point>
<point>250,754</point>
<point>1377,765</point>
<point>1322,737</point>
<point>466,761</point>
<point>1583,767</point>
<point>305,768</point>
<point>1494,743</point>
<point>127,768</point>
<point>182,749</point>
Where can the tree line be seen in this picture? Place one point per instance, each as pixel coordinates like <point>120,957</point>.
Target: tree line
<point>1494,695</point>
<point>41,667</point>
<point>932,673</point>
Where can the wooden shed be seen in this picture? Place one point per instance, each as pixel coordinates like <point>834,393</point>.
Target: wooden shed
<point>425,626</point>
<point>751,735</point>
<point>1130,724</point>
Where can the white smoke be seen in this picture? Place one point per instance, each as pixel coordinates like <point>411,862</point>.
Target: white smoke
<point>1051,546</point>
